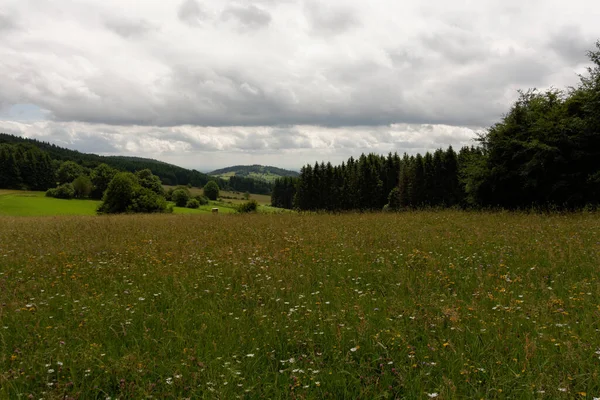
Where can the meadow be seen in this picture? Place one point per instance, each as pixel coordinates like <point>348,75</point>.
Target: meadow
<point>359,306</point>
<point>25,203</point>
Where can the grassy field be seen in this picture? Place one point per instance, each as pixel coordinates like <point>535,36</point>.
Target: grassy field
<point>416,305</point>
<point>233,197</point>
<point>23,203</point>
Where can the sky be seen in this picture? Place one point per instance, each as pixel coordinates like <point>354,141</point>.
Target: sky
<point>206,84</point>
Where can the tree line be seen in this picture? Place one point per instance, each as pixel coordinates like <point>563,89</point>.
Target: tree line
<point>544,153</point>
<point>18,177</point>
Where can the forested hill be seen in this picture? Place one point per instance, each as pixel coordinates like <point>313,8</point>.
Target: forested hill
<point>263,172</point>
<point>12,148</point>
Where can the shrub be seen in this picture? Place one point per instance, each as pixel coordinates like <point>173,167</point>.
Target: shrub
<point>51,192</point>
<point>202,200</point>
<point>125,194</point>
<point>65,191</point>
<point>150,181</point>
<point>147,201</point>
<point>250,206</point>
<point>180,197</point>
<point>101,177</point>
<point>68,171</point>
<point>211,190</point>
<point>193,203</point>
<point>119,194</point>
<point>83,186</point>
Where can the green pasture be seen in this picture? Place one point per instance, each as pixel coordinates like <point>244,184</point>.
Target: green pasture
<point>446,305</point>
<point>22,203</point>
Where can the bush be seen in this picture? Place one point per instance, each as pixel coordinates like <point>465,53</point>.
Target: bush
<point>147,201</point>
<point>65,191</point>
<point>83,186</point>
<point>51,192</point>
<point>180,197</point>
<point>193,203</point>
<point>150,181</point>
<point>202,200</point>
<point>248,207</point>
<point>125,195</point>
<point>211,190</point>
<point>101,177</point>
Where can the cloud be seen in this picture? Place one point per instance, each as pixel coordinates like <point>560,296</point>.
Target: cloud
<point>571,44</point>
<point>130,28</point>
<point>191,13</point>
<point>326,19</point>
<point>6,23</point>
<point>297,144</point>
<point>270,77</point>
<point>248,16</point>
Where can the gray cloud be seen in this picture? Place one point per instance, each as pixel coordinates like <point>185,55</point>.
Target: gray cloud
<point>7,23</point>
<point>248,16</point>
<point>296,145</point>
<point>571,44</point>
<point>191,13</point>
<point>130,28</point>
<point>284,78</point>
<point>330,20</point>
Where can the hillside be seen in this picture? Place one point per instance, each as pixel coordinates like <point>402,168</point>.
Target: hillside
<point>169,174</point>
<point>262,172</point>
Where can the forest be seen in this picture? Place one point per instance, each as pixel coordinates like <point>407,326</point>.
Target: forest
<point>544,153</point>
<point>32,164</point>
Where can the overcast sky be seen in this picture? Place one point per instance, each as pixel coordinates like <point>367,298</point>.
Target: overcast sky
<point>211,83</point>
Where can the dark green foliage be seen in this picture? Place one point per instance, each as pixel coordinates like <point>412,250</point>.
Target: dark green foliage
<point>180,197</point>
<point>544,152</point>
<point>242,184</point>
<point>366,184</point>
<point>248,207</point>
<point>168,174</point>
<point>120,193</point>
<point>147,201</point>
<point>23,166</point>
<point>82,186</point>
<point>394,200</point>
<point>150,181</point>
<point>283,193</point>
<point>68,172</point>
<point>126,195</point>
<point>211,190</point>
<point>64,191</point>
<point>193,203</point>
<point>101,177</point>
<point>202,200</point>
<point>51,192</point>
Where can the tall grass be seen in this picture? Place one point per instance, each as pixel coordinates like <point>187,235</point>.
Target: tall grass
<point>416,305</point>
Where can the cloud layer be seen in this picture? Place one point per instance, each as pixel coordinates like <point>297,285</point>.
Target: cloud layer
<point>147,69</point>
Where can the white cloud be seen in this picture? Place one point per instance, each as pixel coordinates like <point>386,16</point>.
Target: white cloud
<point>224,77</point>
<point>208,148</point>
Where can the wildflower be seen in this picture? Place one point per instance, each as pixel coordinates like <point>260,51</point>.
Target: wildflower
<point>432,395</point>
<point>562,389</point>
<point>250,355</point>
<point>50,371</point>
<point>169,381</point>
<point>354,349</point>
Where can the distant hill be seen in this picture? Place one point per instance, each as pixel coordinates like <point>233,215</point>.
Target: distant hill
<point>261,172</point>
<point>169,174</point>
